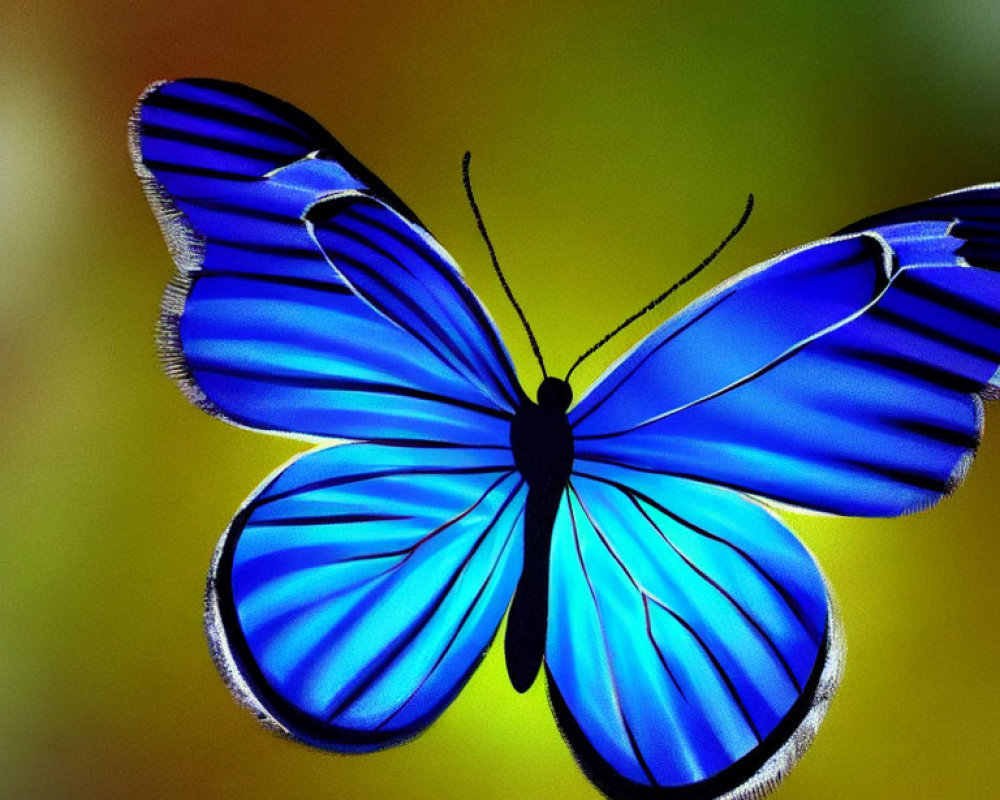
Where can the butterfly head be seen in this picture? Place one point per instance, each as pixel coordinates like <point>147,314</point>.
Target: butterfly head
<point>554,395</point>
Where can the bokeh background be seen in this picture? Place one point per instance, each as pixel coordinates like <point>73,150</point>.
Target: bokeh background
<point>613,145</point>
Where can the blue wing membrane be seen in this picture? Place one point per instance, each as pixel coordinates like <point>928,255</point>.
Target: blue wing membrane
<point>257,326</point>
<point>358,588</point>
<point>844,377</point>
<point>406,276</point>
<point>692,650</point>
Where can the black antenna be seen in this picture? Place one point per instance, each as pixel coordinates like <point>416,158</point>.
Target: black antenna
<point>496,265</point>
<point>654,303</point>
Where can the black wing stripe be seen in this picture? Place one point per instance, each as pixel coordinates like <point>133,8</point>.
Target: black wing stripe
<point>932,333</point>
<point>910,284</point>
<point>232,117</point>
<point>937,433</point>
<point>281,280</point>
<point>260,248</point>
<point>428,443</point>
<point>343,480</point>
<point>923,371</point>
<point>977,227</point>
<point>921,480</point>
<point>182,136</point>
<point>203,172</point>
<point>324,519</point>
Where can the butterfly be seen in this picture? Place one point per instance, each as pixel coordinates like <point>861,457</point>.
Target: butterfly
<point>689,642</point>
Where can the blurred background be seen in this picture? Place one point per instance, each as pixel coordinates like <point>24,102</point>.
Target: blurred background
<point>614,145</point>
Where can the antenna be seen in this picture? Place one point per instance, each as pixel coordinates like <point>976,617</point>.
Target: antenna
<point>654,303</point>
<point>496,264</point>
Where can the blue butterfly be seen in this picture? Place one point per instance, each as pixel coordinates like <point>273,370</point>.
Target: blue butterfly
<point>689,642</point>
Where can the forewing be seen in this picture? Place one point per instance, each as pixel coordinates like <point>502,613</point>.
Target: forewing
<point>358,588</point>
<point>692,650</point>
<point>405,275</point>
<point>845,376</point>
<point>257,326</point>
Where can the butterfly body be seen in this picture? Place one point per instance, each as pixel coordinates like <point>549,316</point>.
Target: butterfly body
<point>690,642</point>
<point>542,445</point>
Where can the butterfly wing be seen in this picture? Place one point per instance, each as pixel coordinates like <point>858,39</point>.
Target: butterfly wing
<point>260,328</point>
<point>692,650</point>
<point>844,376</point>
<point>358,588</point>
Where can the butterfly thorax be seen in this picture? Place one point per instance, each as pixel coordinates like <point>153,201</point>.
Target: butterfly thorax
<point>542,441</point>
<point>541,438</point>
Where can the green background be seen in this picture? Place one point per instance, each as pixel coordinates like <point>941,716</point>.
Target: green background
<point>613,145</point>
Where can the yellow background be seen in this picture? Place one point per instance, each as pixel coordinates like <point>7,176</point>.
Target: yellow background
<point>613,146</point>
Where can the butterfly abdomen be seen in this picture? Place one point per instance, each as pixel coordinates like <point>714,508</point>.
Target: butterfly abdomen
<point>542,441</point>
